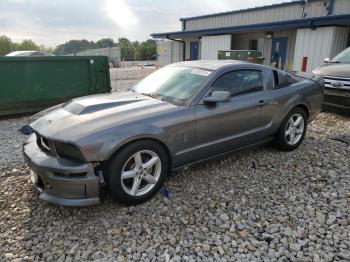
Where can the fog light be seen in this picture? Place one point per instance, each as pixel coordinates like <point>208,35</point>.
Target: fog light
<point>34,177</point>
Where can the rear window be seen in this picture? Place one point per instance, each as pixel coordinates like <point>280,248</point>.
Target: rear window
<point>282,79</point>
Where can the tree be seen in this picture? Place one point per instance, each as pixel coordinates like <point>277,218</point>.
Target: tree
<point>74,46</point>
<point>127,50</point>
<point>28,44</point>
<point>105,42</point>
<point>146,50</point>
<point>5,45</point>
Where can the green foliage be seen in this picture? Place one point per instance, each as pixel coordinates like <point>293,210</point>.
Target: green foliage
<point>28,44</point>
<point>73,46</point>
<point>105,42</point>
<point>129,50</point>
<point>5,45</point>
<point>137,51</point>
<point>146,50</point>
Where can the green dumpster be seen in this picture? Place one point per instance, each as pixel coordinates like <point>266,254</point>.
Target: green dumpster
<point>30,84</point>
<point>252,56</point>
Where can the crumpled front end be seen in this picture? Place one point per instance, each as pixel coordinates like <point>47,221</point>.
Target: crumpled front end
<point>61,181</point>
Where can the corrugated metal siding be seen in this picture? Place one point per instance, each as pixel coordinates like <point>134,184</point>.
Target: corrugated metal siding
<point>168,52</point>
<point>210,45</point>
<point>113,53</point>
<point>340,40</point>
<point>312,9</point>
<point>317,45</point>
<point>341,7</point>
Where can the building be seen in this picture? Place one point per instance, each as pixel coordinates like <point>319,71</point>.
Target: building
<point>113,54</point>
<point>295,35</point>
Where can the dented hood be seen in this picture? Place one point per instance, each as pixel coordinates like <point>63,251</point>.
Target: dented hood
<point>84,116</point>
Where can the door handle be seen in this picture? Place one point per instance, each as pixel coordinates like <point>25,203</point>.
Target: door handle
<point>262,103</point>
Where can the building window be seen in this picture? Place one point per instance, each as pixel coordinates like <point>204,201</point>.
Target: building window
<point>253,44</point>
<point>256,44</point>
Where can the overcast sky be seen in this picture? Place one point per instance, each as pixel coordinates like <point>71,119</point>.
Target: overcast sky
<point>52,22</point>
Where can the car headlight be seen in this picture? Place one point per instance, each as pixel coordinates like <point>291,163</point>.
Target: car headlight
<point>69,151</point>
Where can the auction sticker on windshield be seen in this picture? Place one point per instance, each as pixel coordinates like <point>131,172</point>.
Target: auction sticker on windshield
<point>200,72</point>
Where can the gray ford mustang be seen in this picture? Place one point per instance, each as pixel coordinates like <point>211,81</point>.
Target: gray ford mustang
<point>181,114</point>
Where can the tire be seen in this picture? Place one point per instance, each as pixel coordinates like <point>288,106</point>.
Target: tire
<point>285,142</point>
<point>124,169</point>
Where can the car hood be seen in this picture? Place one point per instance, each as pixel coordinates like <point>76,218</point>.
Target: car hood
<point>333,69</point>
<point>87,115</point>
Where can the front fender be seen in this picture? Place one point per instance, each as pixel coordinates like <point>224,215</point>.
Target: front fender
<point>113,139</point>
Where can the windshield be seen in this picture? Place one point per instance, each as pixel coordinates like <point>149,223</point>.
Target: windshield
<point>342,57</point>
<point>173,84</point>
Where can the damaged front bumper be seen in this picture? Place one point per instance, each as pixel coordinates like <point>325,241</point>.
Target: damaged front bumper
<point>61,181</point>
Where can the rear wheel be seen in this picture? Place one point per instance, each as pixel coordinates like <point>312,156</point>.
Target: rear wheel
<point>137,172</point>
<point>292,130</point>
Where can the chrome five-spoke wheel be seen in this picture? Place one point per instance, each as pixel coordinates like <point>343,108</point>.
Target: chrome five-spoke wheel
<point>294,129</point>
<point>141,173</point>
<point>137,171</point>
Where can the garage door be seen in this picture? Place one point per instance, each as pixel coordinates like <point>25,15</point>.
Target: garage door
<point>210,45</point>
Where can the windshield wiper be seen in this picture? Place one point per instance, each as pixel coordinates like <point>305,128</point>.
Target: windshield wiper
<point>153,95</point>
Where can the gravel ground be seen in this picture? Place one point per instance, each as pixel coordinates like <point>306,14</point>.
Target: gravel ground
<point>258,204</point>
<point>123,78</point>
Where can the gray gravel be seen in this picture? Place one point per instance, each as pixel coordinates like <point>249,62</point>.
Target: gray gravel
<point>124,78</point>
<point>258,204</point>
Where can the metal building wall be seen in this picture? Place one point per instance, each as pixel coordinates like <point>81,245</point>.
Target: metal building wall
<point>275,14</point>
<point>210,45</point>
<point>318,44</point>
<point>341,7</point>
<point>188,41</point>
<point>168,52</point>
<point>340,40</point>
<point>113,53</point>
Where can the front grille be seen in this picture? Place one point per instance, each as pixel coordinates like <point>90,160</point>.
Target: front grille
<point>339,100</point>
<point>337,82</point>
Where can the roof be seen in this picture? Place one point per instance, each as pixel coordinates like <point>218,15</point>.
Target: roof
<point>298,2</point>
<point>28,53</point>
<point>208,64</point>
<point>16,53</point>
<point>287,24</point>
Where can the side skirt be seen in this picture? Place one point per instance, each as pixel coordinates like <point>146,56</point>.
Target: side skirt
<point>263,142</point>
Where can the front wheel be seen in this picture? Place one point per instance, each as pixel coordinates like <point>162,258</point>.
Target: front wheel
<point>292,130</point>
<point>137,172</point>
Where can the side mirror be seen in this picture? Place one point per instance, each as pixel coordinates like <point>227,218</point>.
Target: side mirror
<point>327,60</point>
<point>217,96</point>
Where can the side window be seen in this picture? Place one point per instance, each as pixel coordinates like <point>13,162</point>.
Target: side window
<point>282,79</point>
<point>240,82</point>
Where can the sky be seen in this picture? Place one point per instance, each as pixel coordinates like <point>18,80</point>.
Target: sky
<point>53,22</point>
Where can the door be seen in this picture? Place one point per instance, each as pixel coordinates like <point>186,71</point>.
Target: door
<point>194,50</point>
<point>229,125</point>
<point>279,52</point>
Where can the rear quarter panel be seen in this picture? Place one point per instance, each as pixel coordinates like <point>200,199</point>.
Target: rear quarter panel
<point>306,93</point>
